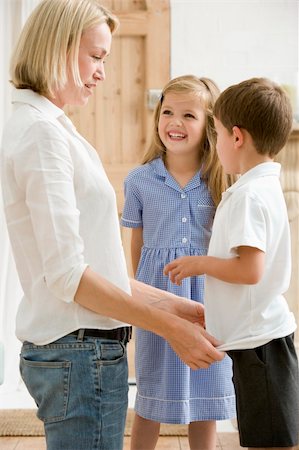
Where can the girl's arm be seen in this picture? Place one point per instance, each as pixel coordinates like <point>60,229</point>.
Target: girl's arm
<point>136,245</point>
<point>246,268</point>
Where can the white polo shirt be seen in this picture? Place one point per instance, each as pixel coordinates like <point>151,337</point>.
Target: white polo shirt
<point>252,213</point>
<point>61,215</point>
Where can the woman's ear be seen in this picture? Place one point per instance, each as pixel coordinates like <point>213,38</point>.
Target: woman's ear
<point>238,136</point>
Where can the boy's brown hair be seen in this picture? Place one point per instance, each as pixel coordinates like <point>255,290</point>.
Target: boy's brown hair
<point>261,107</point>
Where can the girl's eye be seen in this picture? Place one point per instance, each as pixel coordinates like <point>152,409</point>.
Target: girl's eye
<point>166,112</point>
<point>190,115</point>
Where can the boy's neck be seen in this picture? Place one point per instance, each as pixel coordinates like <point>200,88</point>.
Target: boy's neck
<point>252,159</point>
<point>248,156</point>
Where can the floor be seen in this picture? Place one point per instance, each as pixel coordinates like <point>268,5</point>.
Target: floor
<point>164,443</point>
<point>227,435</point>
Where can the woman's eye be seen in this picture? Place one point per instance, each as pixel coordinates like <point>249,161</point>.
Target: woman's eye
<point>97,58</point>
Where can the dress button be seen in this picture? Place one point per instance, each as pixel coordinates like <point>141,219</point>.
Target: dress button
<point>184,240</point>
<point>184,219</point>
<point>183,195</point>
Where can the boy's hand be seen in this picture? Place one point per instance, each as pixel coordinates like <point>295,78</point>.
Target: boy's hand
<point>184,267</point>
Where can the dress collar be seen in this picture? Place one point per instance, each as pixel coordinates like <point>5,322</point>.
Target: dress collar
<point>159,168</point>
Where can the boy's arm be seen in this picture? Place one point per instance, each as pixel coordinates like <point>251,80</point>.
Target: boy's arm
<point>246,268</point>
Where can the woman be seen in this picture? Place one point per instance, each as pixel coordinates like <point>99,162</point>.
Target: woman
<point>63,226</point>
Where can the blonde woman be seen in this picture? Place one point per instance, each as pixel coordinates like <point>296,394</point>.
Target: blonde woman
<point>170,205</point>
<point>63,225</point>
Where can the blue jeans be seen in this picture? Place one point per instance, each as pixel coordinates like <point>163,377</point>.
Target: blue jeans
<point>81,390</point>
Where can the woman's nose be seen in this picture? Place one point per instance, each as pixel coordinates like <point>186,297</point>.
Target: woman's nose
<point>100,73</point>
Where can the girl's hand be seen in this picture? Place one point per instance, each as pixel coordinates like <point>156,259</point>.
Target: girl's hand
<point>184,267</point>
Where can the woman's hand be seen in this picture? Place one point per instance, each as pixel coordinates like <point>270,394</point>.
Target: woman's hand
<point>167,301</point>
<point>190,310</point>
<point>194,345</point>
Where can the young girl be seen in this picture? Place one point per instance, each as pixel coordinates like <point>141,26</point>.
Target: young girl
<point>170,204</point>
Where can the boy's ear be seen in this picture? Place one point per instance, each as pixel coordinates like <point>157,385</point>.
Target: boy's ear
<point>238,136</point>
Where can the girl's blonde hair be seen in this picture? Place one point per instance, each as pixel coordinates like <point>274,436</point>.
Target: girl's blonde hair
<point>208,92</point>
<point>50,41</point>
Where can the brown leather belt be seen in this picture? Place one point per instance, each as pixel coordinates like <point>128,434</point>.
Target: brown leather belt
<point>123,334</point>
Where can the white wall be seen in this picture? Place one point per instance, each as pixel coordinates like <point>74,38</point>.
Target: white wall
<point>12,16</point>
<point>231,40</point>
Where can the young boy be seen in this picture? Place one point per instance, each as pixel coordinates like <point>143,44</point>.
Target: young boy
<point>248,265</point>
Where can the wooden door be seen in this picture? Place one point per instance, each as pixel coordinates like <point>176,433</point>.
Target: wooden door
<point>117,120</point>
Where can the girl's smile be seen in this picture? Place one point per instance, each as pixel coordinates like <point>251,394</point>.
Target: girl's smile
<point>181,123</point>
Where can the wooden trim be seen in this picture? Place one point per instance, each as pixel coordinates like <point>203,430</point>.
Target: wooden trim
<point>295,132</point>
<point>132,24</point>
<point>157,5</point>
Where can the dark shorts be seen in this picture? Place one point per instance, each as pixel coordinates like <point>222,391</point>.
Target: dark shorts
<point>266,385</point>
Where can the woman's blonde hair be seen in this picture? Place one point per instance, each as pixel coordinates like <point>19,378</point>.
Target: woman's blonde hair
<point>208,92</point>
<point>50,41</point>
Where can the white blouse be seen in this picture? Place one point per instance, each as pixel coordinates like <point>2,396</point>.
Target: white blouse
<point>62,217</point>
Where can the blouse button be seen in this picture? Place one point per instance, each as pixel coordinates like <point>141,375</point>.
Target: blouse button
<point>183,195</point>
<point>184,240</point>
<point>184,219</point>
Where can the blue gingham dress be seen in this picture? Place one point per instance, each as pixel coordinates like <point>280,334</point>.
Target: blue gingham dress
<point>176,222</point>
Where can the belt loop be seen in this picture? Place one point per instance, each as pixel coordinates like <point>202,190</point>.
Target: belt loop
<point>80,335</point>
<point>128,335</point>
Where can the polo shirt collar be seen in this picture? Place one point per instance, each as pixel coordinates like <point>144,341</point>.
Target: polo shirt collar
<point>261,170</point>
<point>160,169</point>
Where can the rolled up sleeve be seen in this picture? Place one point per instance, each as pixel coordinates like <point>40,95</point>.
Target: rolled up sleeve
<point>45,173</point>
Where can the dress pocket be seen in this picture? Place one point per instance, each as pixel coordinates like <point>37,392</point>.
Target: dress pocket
<point>48,384</point>
<point>205,213</point>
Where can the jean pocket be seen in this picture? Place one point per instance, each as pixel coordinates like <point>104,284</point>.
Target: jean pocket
<point>112,353</point>
<point>113,372</point>
<point>48,383</point>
